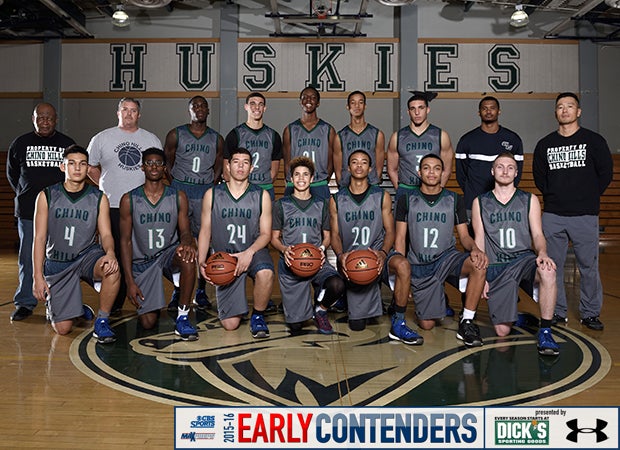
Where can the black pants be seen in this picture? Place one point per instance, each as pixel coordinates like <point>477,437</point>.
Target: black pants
<point>115,220</point>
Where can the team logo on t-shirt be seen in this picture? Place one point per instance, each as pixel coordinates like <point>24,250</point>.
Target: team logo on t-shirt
<point>129,156</point>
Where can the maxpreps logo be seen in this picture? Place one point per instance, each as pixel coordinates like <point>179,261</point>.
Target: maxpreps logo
<point>524,431</point>
<point>193,436</point>
<point>200,422</point>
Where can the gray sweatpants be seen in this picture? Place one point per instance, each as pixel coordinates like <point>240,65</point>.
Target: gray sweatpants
<point>583,232</point>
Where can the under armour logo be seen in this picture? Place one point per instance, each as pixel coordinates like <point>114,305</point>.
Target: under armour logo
<point>600,426</point>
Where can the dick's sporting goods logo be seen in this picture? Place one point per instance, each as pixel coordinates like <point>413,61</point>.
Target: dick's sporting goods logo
<point>522,432</point>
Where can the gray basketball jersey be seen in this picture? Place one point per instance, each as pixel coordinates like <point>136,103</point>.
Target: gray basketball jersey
<point>313,144</point>
<point>411,149</point>
<point>71,224</point>
<point>154,225</point>
<point>351,141</point>
<point>260,144</point>
<point>235,223</point>
<point>195,157</point>
<point>302,225</point>
<point>360,224</point>
<point>430,226</point>
<point>506,227</point>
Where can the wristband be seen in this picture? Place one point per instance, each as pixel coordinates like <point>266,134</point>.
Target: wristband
<point>322,248</point>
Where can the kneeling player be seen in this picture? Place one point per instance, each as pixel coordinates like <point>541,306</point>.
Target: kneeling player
<point>361,218</point>
<point>507,221</point>
<point>300,218</point>
<point>236,218</point>
<point>67,217</point>
<point>427,217</point>
<point>156,241</point>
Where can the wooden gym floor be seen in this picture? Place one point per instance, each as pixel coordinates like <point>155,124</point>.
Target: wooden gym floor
<point>67,392</point>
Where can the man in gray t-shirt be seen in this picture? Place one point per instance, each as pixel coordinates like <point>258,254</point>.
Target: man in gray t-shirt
<point>115,158</point>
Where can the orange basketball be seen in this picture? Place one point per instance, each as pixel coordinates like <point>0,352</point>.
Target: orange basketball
<point>221,268</point>
<point>306,260</point>
<point>362,267</point>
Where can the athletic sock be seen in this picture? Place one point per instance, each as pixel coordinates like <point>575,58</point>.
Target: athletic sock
<point>468,314</point>
<point>398,316</point>
<point>319,309</point>
<point>545,323</point>
<point>183,311</point>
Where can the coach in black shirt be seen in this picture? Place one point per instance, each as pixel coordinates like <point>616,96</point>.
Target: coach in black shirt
<point>32,164</point>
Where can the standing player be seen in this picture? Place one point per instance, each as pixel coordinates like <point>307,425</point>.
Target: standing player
<point>312,137</point>
<point>361,218</point>
<point>507,221</point>
<point>572,168</point>
<point>157,242</point>
<point>478,148</point>
<point>408,145</point>
<point>194,153</point>
<point>426,218</point>
<point>236,218</point>
<point>299,218</point>
<point>28,172</point>
<point>263,142</point>
<point>68,216</point>
<point>358,135</point>
<point>114,165</point>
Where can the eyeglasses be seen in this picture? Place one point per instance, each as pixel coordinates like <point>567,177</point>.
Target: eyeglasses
<point>154,163</point>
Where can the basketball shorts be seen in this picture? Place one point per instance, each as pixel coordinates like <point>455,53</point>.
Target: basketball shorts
<point>364,302</point>
<point>195,193</point>
<point>504,281</point>
<point>296,300</point>
<point>149,278</point>
<point>63,279</point>
<point>427,283</point>
<point>232,299</point>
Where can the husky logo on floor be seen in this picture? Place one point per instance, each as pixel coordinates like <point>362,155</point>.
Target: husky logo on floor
<point>346,368</point>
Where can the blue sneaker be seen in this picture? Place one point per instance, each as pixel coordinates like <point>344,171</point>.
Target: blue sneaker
<point>449,310</point>
<point>401,332</point>
<point>546,344</point>
<point>185,330</point>
<point>174,301</point>
<point>201,300</point>
<point>258,327</point>
<point>103,333</point>
<point>322,322</point>
<point>271,307</point>
<point>87,313</point>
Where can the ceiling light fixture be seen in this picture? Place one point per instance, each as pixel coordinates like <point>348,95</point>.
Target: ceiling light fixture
<point>519,18</point>
<point>613,3</point>
<point>120,18</point>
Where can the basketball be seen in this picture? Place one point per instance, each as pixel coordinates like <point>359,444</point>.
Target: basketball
<point>362,267</point>
<point>221,268</point>
<point>306,260</point>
